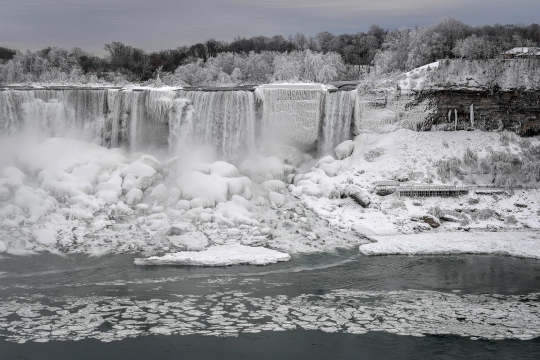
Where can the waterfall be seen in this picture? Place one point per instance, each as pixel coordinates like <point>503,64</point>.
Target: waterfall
<point>291,115</point>
<point>142,119</point>
<point>54,112</point>
<point>223,119</point>
<point>339,114</point>
<point>181,126</point>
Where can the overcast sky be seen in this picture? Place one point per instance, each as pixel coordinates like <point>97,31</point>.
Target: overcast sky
<point>161,24</point>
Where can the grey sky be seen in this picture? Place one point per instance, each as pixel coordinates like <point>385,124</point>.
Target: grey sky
<point>160,24</point>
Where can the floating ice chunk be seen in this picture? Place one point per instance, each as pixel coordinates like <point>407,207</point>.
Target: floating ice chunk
<point>221,255</point>
<point>344,150</point>
<point>522,244</point>
<point>3,247</point>
<point>134,196</point>
<point>46,237</point>
<point>276,199</point>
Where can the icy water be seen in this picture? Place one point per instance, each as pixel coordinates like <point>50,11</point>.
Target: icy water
<point>339,306</point>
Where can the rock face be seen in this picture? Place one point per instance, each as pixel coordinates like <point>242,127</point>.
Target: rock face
<point>517,111</point>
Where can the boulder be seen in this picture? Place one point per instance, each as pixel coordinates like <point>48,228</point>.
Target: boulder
<point>384,191</point>
<point>428,219</point>
<point>361,196</point>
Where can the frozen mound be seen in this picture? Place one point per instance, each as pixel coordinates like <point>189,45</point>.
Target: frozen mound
<point>344,150</point>
<point>263,168</point>
<point>221,255</point>
<point>210,189</point>
<point>521,244</point>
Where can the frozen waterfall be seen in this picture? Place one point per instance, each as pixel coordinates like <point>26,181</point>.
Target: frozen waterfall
<point>306,116</point>
<point>338,118</point>
<point>223,119</point>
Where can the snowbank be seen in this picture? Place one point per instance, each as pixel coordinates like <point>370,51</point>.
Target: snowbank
<point>221,255</point>
<point>520,244</point>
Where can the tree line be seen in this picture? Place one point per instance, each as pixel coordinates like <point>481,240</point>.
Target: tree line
<point>324,57</point>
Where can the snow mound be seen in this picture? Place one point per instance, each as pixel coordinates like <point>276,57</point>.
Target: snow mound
<point>520,244</point>
<point>211,189</point>
<point>221,255</point>
<point>344,150</point>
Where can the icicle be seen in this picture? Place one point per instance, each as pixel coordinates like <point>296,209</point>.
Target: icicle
<point>472,115</point>
<point>455,119</point>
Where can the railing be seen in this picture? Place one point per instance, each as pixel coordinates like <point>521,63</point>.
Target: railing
<point>446,190</point>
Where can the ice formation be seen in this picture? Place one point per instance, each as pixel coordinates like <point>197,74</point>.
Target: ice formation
<point>229,313</point>
<point>291,113</point>
<point>221,255</point>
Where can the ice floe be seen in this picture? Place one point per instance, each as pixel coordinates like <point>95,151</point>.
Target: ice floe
<point>220,255</point>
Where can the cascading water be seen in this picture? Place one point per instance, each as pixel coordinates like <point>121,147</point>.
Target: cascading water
<point>225,120</point>
<point>339,111</point>
<point>54,112</point>
<point>181,126</point>
<point>177,119</point>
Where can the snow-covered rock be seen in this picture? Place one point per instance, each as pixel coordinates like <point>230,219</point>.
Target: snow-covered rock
<point>134,196</point>
<point>325,160</point>
<point>190,242</point>
<point>46,237</point>
<point>277,199</point>
<point>359,195</point>
<point>428,219</point>
<point>274,185</point>
<point>220,255</point>
<point>344,150</point>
